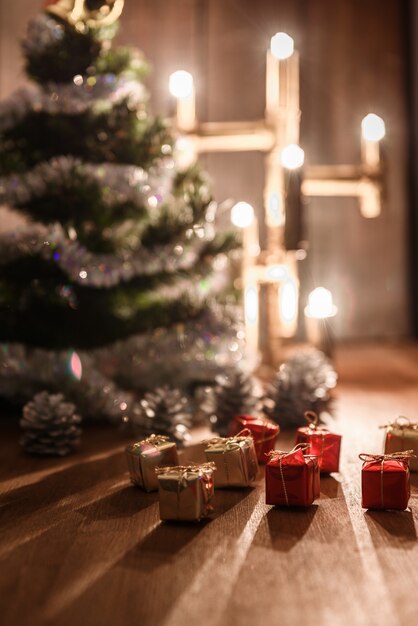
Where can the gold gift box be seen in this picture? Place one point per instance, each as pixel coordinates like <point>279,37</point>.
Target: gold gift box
<point>402,435</point>
<point>185,491</point>
<point>143,457</point>
<point>235,459</point>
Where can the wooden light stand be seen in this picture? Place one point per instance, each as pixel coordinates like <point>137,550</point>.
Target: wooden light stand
<point>271,273</point>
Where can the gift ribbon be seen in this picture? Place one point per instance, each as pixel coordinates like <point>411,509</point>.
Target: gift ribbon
<point>381,458</point>
<point>278,455</point>
<point>231,443</point>
<point>182,471</point>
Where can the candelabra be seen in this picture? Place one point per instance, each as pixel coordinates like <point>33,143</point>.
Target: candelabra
<point>270,273</point>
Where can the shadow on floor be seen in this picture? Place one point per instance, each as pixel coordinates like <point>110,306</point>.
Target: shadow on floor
<point>394,528</point>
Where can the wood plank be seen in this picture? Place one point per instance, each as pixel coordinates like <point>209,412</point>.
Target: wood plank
<point>78,544</point>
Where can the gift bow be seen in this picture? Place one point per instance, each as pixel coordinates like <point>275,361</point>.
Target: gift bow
<point>192,467</point>
<point>393,456</point>
<point>403,423</point>
<point>154,440</point>
<point>278,455</point>
<point>231,443</point>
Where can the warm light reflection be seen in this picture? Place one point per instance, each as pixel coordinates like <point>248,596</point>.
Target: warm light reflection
<point>184,153</point>
<point>282,46</point>
<point>288,301</point>
<point>373,127</point>
<point>320,304</point>
<point>292,156</point>
<point>76,368</point>
<point>180,84</point>
<point>242,214</point>
<point>251,305</point>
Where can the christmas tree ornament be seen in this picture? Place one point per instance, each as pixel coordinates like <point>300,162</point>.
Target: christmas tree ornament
<point>292,478</point>
<point>94,13</point>
<point>235,459</point>
<point>321,443</point>
<point>185,491</point>
<point>164,411</point>
<point>234,394</point>
<point>144,456</point>
<point>401,435</point>
<point>50,425</point>
<point>264,433</point>
<point>385,480</point>
<point>302,383</point>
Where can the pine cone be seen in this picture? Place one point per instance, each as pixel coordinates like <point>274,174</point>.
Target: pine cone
<point>164,411</point>
<point>234,395</point>
<point>302,383</point>
<point>50,425</point>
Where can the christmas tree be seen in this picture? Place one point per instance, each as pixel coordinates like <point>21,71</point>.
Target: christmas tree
<point>113,273</point>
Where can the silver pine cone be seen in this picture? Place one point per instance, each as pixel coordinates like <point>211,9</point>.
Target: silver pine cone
<point>234,394</point>
<point>302,383</point>
<point>163,411</point>
<point>50,425</point>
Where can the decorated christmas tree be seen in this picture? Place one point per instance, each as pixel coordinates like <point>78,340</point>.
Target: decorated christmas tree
<point>112,277</point>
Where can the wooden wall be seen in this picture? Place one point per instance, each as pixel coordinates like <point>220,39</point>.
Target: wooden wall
<point>353,62</point>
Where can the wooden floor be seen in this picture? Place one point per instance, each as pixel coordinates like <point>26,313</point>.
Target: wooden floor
<point>80,546</point>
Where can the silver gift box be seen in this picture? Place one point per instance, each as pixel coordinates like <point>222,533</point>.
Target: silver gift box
<point>143,457</point>
<point>185,492</point>
<point>402,435</point>
<point>235,459</point>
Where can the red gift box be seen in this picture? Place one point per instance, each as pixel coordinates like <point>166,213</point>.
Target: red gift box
<point>385,480</point>
<point>322,443</point>
<point>264,432</point>
<point>292,478</point>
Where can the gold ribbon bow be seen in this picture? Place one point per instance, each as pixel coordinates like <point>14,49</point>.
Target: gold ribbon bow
<point>393,456</point>
<point>278,455</point>
<point>154,440</point>
<point>381,458</point>
<point>403,423</point>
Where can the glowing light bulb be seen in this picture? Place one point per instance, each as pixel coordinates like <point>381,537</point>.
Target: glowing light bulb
<point>282,46</point>
<point>242,214</point>
<point>320,304</point>
<point>373,127</point>
<point>180,84</point>
<point>292,156</point>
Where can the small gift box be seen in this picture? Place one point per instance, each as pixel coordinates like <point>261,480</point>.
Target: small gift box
<point>263,431</point>
<point>235,459</point>
<point>292,478</point>
<point>143,457</point>
<point>185,491</point>
<point>402,434</point>
<point>322,443</point>
<point>385,482</point>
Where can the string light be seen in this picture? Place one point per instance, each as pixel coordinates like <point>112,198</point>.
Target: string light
<point>242,214</point>
<point>180,84</point>
<point>282,46</point>
<point>292,156</point>
<point>373,127</point>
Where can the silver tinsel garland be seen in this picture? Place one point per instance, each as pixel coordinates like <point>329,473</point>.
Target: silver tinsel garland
<point>99,270</point>
<point>191,353</point>
<point>119,183</point>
